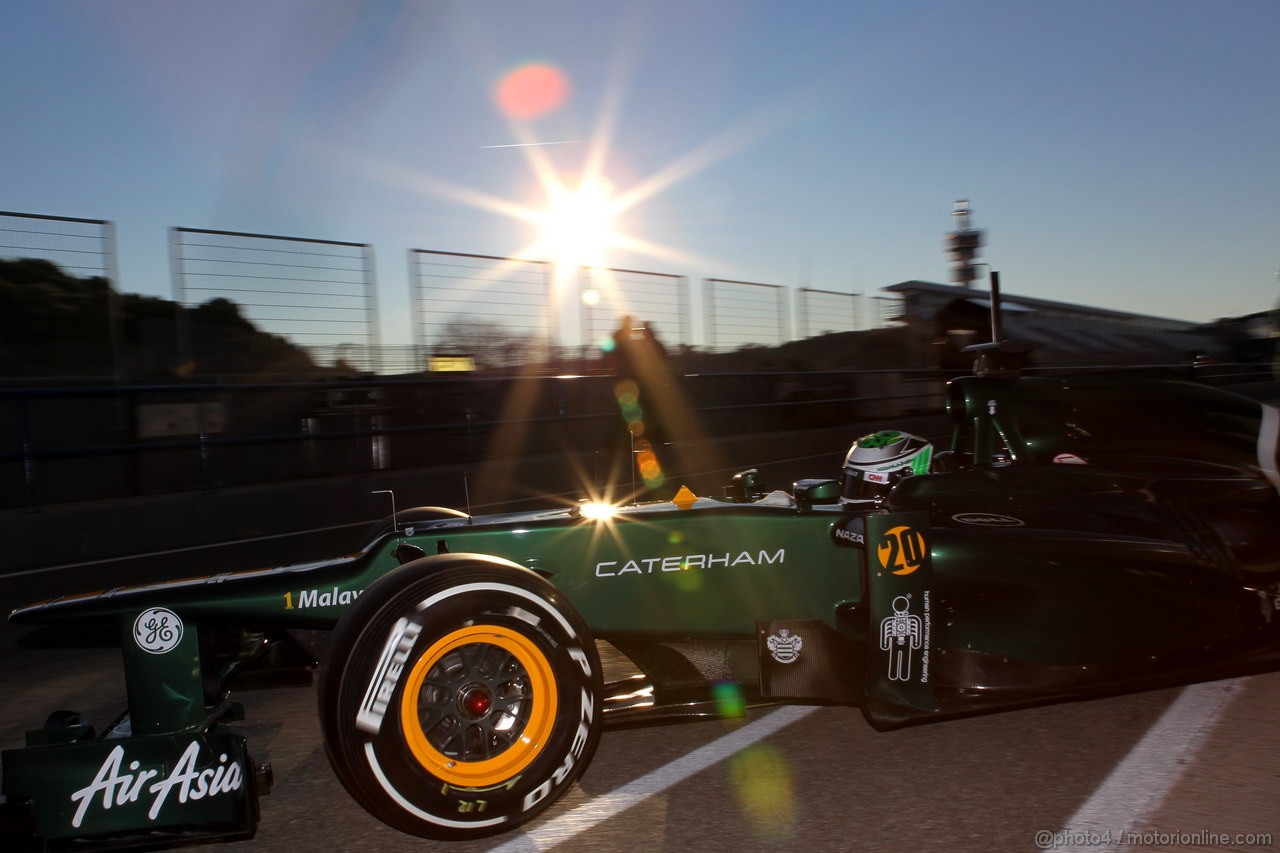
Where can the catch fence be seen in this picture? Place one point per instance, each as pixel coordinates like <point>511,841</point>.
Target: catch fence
<point>658,300</point>
<point>744,313</point>
<point>83,248</point>
<point>314,293</point>
<point>497,311</point>
<point>822,312</point>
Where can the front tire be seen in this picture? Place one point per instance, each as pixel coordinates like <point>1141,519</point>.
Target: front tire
<point>461,697</point>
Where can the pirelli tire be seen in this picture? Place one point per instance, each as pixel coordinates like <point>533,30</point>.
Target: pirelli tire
<point>461,697</point>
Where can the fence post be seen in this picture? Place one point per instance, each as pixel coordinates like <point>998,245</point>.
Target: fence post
<point>28,458</point>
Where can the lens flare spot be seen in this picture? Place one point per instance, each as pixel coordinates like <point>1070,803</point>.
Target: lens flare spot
<point>676,537</point>
<point>626,392</point>
<point>761,782</point>
<point>597,511</point>
<point>649,467</point>
<point>591,298</point>
<point>531,91</point>
<point>689,581</point>
<point>729,699</point>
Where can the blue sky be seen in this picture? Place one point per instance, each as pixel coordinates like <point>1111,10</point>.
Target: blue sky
<point>1120,153</point>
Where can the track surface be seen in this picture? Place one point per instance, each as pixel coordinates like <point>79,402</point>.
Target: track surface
<point>1027,780</point>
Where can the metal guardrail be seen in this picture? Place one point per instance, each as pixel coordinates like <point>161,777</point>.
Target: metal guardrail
<point>72,444</point>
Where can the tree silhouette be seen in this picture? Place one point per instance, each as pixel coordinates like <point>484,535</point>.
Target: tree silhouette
<point>55,324</point>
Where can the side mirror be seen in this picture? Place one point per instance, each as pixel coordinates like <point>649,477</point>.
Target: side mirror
<point>744,487</point>
<point>810,492</point>
<point>407,552</point>
<point>950,460</point>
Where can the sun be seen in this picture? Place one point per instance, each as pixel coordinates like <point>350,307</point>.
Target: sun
<point>577,226</point>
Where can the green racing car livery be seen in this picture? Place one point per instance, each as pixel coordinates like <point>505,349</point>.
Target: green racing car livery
<point>1076,537</point>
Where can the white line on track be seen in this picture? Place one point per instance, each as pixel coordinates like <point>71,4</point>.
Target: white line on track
<point>633,793</point>
<point>1139,783</point>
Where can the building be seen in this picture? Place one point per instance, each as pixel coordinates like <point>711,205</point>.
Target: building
<point>942,319</point>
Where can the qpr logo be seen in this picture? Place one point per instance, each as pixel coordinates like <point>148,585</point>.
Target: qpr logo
<point>784,647</point>
<point>987,519</point>
<point>157,631</point>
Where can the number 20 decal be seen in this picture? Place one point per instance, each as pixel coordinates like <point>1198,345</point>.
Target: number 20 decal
<point>902,550</point>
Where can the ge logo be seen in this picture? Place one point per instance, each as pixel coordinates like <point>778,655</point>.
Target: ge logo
<point>902,550</point>
<point>157,630</point>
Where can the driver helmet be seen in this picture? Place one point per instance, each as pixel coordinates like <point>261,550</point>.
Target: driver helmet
<point>876,462</point>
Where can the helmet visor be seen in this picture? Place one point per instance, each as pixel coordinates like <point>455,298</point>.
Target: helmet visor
<point>860,485</point>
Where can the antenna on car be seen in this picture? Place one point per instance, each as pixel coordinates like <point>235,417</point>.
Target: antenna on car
<point>395,523</point>
<point>998,356</point>
<point>997,333</point>
<point>405,551</point>
<point>466,493</point>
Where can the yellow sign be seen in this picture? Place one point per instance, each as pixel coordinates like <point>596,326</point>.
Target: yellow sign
<point>451,364</point>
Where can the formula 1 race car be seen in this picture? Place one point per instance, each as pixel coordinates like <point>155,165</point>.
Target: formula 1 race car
<point>1078,537</point>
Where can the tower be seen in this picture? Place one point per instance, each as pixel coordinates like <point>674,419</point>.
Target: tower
<point>963,245</point>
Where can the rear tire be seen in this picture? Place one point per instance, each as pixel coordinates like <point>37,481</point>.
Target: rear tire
<point>461,697</point>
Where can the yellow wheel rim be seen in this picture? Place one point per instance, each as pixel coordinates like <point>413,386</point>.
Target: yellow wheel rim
<point>478,706</point>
